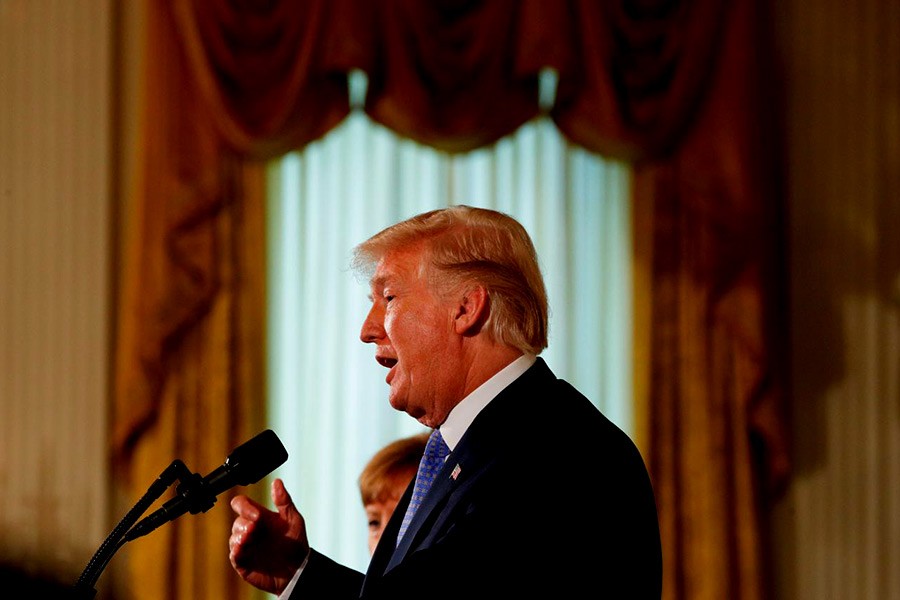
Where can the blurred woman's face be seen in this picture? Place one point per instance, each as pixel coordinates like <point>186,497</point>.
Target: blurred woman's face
<point>378,513</point>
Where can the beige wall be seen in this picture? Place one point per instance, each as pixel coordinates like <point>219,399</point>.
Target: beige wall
<point>64,133</point>
<point>55,284</point>
<point>837,531</point>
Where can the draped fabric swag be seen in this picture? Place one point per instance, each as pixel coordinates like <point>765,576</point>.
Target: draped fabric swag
<point>672,87</point>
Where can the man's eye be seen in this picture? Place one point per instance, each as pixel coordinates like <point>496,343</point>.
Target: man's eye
<point>388,297</point>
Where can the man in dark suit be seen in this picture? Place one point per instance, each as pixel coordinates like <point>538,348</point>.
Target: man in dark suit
<point>535,493</point>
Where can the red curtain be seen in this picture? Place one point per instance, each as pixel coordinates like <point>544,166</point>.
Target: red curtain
<point>672,86</point>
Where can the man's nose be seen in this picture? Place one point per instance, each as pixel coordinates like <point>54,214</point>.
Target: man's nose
<point>372,328</point>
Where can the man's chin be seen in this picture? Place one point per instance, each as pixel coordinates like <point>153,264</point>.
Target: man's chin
<point>397,403</point>
<point>402,405</point>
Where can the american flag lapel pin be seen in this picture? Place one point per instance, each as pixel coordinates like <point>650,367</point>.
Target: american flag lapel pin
<point>455,472</point>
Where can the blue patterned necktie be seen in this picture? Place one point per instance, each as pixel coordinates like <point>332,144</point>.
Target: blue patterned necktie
<point>436,451</point>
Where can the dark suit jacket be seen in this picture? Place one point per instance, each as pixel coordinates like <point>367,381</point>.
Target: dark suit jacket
<point>542,497</point>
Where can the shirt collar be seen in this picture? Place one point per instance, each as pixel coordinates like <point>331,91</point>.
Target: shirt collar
<point>465,412</point>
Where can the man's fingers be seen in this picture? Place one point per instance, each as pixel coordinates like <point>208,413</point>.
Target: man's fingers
<point>241,526</point>
<point>245,507</point>
<point>243,537</point>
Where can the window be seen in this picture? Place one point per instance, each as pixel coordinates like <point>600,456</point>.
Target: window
<point>328,398</point>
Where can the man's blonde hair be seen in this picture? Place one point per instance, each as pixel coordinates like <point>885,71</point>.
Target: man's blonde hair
<point>463,245</point>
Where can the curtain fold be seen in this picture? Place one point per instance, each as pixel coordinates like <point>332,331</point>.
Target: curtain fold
<point>637,73</point>
<point>169,275</point>
<point>671,86</point>
<point>718,447</point>
<point>271,74</point>
<point>189,373</point>
<point>450,74</point>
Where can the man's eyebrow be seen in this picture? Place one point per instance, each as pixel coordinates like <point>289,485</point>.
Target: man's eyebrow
<point>380,281</point>
<point>377,282</point>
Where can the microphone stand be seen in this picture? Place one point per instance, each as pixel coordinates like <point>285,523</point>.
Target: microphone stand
<point>246,464</point>
<point>122,533</point>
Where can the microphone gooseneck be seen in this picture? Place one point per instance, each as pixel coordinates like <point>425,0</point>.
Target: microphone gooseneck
<point>248,463</point>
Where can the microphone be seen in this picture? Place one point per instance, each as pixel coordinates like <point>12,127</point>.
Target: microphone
<point>248,463</point>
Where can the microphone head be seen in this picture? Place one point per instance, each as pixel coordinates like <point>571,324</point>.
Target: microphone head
<point>248,463</point>
<point>255,458</point>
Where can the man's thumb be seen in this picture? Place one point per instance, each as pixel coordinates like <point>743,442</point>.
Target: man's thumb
<point>282,500</point>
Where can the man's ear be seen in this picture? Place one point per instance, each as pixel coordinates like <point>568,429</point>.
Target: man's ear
<point>471,311</point>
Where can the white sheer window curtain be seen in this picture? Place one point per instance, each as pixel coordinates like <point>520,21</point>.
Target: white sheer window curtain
<point>328,398</point>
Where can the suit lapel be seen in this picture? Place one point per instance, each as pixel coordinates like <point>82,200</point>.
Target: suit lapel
<point>473,454</point>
